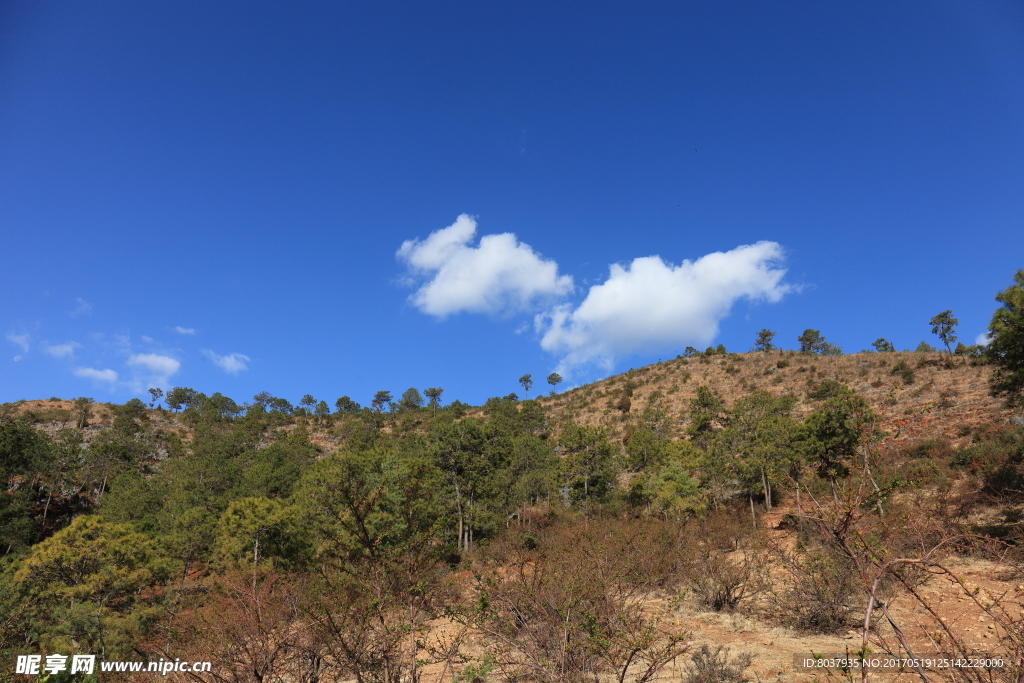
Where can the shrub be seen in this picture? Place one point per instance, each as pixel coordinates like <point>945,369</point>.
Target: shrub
<point>904,371</point>
<point>992,447</point>
<point>720,582</point>
<point>721,576</point>
<point>930,449</point>
<point>830,388</point>
<point>946,398</point>
<point>575,606</point>
<point>829,349</point>
<point>821,591</point>
<point>715,666</point>
<point>997,456</point>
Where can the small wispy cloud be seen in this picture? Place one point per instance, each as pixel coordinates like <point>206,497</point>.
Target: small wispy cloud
<point>982,339</point>
<point>83,308</point>
<point>17,358</point>
<point>152,370</point>
<point>62,350</point>
<point>184,330</point>
<point>233,363</point>
<point>107,375</point>
<point>20,340</point>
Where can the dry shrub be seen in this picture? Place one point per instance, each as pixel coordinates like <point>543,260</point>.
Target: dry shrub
<point>262,627</point>
<point>368,628</point>
<point>821,590</point>
<point>878,548</point>
<point>249,628</point>
<point>904,371</point>
<point>722,582</point>
<point>727,564</point>
<point>921,464</point>
<point>999,605</point>
<point>709,665</point>
<point>574,603</point>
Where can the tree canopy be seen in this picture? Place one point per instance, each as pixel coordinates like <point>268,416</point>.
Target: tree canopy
<point>1005,348</point>
<point>811,341</point>
<point>944,326</point>
<point>883,345</point>
<point>764,341</point>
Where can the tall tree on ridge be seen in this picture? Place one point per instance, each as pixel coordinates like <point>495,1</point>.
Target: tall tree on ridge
<point>434,396</point>
<point>944,326</point>
<point>764,341</point>
<point>527,382</point>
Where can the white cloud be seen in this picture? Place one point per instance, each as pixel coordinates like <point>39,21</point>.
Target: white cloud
<point>233,363</point>
<point>17,358</point>
<point>500,274</point>
<point>83,308</point>
<point>62,350</point>
<point>155,369</point>
<point>184,330</point>
<point>650,305</point>
<point>982,339</point>
<point>20,340</point>
<point>148,340</point>
<point>99,375</point>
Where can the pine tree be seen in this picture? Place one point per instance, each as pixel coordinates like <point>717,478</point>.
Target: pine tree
<point>811,341</point>
<point>883,345</point>
<point>764,341</point>
<point>944,326</point>
<point>527,382</point>
<point>434,395</point>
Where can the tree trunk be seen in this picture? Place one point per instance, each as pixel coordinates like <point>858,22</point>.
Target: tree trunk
<point>767,491</point>
<point>412,643</point>
<point>47,508</point>
<point>460,528</point>
<point>867,468</point>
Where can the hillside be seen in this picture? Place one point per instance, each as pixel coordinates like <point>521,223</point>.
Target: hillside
<point>464,538</point>
<point>939,402</point>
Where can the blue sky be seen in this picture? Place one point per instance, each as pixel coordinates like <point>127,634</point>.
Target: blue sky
<point>338,198</point>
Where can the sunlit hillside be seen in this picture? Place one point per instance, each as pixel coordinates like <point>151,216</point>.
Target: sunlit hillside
<point>722,515</point>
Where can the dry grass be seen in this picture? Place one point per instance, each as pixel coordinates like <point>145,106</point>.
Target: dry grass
<point>938,405</point>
